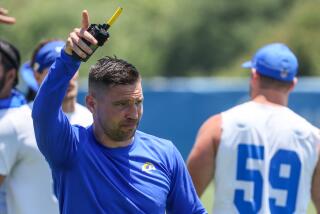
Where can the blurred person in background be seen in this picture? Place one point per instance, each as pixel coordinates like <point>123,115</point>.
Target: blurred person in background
<point>23,170</point>
<point>4,19</point>
<point>34,72</point>
<point>264,158</point>
<point>109,167</point>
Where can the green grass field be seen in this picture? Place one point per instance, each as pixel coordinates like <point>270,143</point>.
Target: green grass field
<point>208,202</point>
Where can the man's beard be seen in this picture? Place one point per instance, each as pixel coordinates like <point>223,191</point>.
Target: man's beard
<point>117,133</point>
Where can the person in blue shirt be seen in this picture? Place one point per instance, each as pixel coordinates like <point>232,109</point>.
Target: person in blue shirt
<point>109,167</point>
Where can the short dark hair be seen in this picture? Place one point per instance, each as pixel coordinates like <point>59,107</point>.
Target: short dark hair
<point>9,58</point>
<point>268,82</point>
<point>111,71</point>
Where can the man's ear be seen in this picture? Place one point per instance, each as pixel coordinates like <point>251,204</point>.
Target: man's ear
<point>11,76</point>
<point>254,77</point>
<point>254,74</point>
<point>91,103</point>
<point>294,83</point>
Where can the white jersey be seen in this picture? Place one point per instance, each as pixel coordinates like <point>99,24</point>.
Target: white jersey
<point>28,183</point>
<point>81,116</point>
<point>265,161</point>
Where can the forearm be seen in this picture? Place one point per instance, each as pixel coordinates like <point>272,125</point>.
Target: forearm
<point>52,129</point>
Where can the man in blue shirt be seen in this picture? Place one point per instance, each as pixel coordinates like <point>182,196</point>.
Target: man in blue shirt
<point>108,167</point>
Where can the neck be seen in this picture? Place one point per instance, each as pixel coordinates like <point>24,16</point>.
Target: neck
<point>5,93</point>
<point>105,140</point>
<point>271,97</point>
<point>68,105</point>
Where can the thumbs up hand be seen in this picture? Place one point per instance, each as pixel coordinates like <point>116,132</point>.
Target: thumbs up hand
<point>75,40</point>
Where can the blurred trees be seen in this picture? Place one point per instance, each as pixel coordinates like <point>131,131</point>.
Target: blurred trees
<point>176,38</point>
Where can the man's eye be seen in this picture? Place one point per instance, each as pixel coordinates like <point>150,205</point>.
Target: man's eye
<point>121,104</point>
<point>138,102</point>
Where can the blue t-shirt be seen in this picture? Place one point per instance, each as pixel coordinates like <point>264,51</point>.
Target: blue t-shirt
<point>16,99</point>
<point>147,176</point>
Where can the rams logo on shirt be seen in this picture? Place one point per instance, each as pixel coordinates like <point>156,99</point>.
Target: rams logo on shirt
<point>148,167</point>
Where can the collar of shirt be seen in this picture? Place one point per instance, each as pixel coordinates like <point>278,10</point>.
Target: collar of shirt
<point>15,100</point>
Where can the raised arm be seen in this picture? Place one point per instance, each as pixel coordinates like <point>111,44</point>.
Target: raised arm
<point>56,138</point>
<point>201,161</point>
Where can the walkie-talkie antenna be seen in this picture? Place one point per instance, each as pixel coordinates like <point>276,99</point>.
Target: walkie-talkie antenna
<point>114,17</point>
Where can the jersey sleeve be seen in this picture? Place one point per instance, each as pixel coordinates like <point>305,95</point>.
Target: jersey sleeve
<point>57,139</point>
<point>182,197</point>
<point>9,146</point>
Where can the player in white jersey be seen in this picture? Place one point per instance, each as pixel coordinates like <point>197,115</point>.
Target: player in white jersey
<point>263,157</point>
<point>24,174</point>
<point>36,70</point>
<point>27,175</point>
<point>4,19</point>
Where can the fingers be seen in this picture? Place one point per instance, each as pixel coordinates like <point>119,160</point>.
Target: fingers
<point>77,42</point>
<point>83,33</point>
<point>7,19</point>
<point>3,11</point>
<point>73,47</point>
<point>85,20</point>
<point>4,18</point>
<point>79,45</point>
<point>80,39</point>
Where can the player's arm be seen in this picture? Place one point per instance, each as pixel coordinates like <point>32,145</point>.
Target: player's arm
<point>315,188</point>
<point>56,138</point>
<point>201,161</point>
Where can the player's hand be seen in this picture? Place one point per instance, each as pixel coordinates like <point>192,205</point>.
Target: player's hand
<point>4,18</point>
<point>75,41</point>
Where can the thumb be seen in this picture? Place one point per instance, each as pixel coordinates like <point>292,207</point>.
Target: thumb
<point>85,20</point>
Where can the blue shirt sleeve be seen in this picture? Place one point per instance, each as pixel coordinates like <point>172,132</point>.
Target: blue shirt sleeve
<point>56,138</point>
<point>182,197</point>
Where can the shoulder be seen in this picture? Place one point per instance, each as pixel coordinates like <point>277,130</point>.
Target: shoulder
<point>156,146</point>
<point>6,122</point>
<point>297,123</point>
<point>83,111</point>
<point>243,107</point>
<point>81,116</point>
<point>82,108</point>
<point>212,122</point>
<point>152,140</point>
<point>20,116</point>
<point>15,123</point>
<point>211,128</point>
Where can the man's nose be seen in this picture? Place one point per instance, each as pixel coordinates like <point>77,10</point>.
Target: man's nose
<point>133,111</point>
